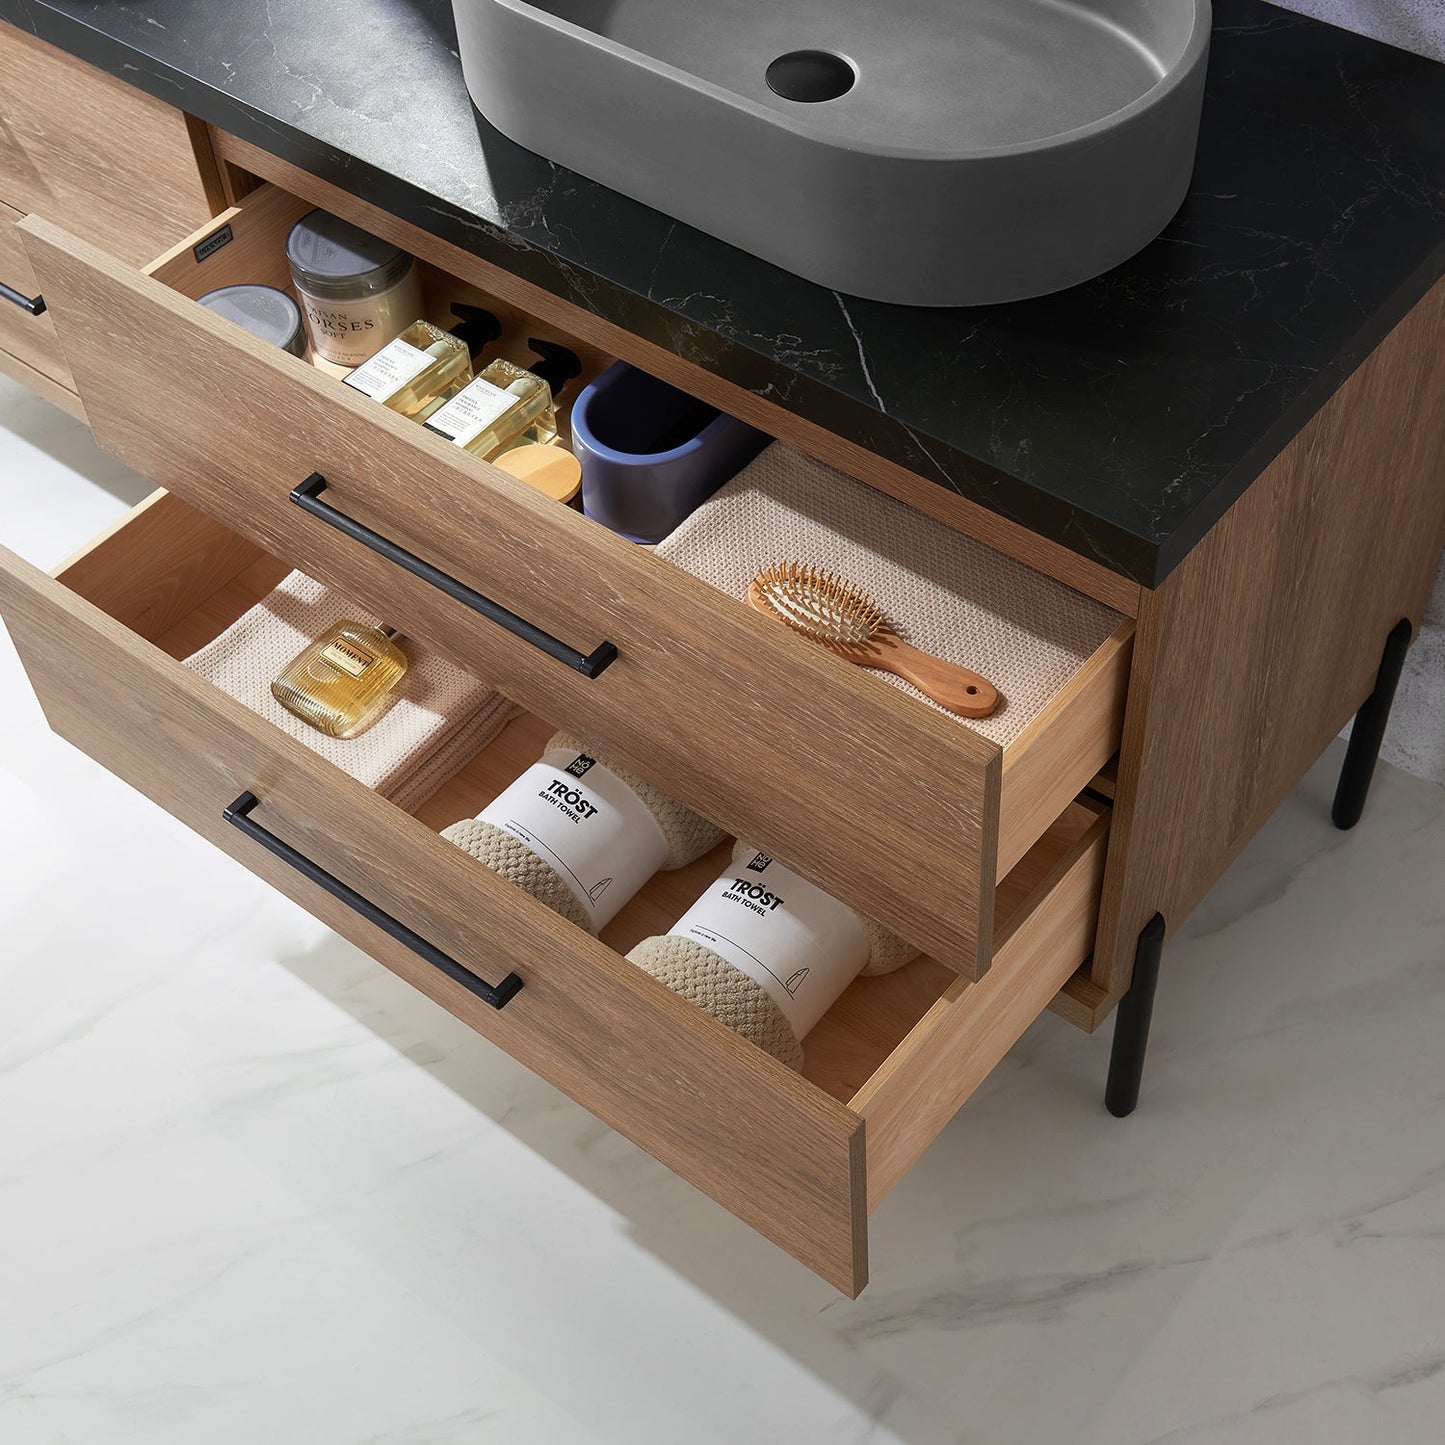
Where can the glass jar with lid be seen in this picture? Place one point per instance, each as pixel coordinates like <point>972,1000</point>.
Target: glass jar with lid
<point>357,291</point>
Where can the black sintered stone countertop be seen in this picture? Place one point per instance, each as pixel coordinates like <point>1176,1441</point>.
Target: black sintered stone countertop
<point>1120,418</point>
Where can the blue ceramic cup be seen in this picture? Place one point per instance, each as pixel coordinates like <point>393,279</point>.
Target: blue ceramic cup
<point>652,454</point>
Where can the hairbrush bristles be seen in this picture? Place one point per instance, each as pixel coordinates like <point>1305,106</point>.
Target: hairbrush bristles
<point>821,604</point>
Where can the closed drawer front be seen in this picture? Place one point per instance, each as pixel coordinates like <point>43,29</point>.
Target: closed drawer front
<point>888,803</point>
<point>888,1065</point>
<point>27,330</point>
<point>93,153</point>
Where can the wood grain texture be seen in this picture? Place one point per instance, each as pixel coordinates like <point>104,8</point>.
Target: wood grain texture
<point>888,803</point>
<point>885,476</point>
<point>1256,650</point>
<point>42,385</point>
<point>1064,747</point>
<point>92,153</point>
<point>857,1039</point>
<point>766,1144</point>
<point>771,1146</point>
<point>253,254</point>
<point>31,339</point>
<point>1081,1001</point>
<point>156,565</point>
<point>208,166</point>
<point>963,1036</point>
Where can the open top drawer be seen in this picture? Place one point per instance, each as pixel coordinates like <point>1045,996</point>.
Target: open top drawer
<point>864,790</point>
<point>801,1158</point>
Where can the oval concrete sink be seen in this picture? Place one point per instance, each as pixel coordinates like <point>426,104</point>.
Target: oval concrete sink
<point>932,152</point>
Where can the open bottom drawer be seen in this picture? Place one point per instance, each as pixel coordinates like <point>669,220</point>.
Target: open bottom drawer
<point>801,1158</point>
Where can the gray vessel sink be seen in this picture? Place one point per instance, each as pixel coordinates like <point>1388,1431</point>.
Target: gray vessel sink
<point>931,152</point>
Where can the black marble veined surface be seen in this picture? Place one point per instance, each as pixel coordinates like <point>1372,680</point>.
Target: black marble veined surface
<point>1120,418</point>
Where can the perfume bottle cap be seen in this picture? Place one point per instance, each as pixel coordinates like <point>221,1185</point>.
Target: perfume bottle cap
<point>559,364</point>
<point>475,326</point>
<point>335,261</point>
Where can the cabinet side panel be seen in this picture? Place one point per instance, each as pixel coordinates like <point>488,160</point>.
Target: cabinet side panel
<point>1253,654</point>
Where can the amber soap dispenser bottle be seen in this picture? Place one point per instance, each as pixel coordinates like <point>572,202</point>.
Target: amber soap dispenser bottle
<point>507,405</point>
<point>425,360</point>
<point>344,681</point>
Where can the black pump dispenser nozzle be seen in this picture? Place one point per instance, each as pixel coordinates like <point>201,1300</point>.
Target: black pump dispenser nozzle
<point>559,364</point>
<point>475,327</point>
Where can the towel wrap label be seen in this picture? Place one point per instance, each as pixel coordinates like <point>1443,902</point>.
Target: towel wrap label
<point>598,835</point>
<point>397,363</point>
<point>800,944</point>
<point>478,405</point>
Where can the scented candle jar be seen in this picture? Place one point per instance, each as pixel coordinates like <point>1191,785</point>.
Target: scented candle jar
<point>357,291</point>
<point>263,311</point>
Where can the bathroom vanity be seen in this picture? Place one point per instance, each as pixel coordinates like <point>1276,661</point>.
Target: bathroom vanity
<point>1233,442</point>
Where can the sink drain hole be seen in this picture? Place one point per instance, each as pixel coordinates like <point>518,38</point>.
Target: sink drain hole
<point>811,75</point>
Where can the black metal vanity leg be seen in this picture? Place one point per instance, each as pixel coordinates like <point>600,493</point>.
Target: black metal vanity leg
<point>1131,1022</point>
<point>1369,731</point>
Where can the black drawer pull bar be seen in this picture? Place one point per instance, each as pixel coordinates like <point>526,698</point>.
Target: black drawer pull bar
<point>238,815</point>
<point>35,305</point>
<point>308,497</point>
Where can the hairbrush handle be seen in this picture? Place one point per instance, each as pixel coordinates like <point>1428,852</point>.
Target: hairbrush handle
<point>953,687</point>
<point>949,685</point>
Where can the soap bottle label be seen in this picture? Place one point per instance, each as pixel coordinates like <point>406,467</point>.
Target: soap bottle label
<point>397,363</point>
<point>800,944</point>
<point>471,411</point>
<point>598,835</point>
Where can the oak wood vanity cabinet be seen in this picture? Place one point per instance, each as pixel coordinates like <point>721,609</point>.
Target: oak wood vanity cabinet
<point>1026,873</point>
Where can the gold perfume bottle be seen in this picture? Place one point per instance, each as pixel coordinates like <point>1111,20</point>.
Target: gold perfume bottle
<point>345,680</point>
<point>507,405</point>
<point>424,360</point>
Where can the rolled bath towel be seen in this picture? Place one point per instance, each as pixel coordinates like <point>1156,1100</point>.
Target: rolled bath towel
<point>686,837</point>
<point>703,976</point>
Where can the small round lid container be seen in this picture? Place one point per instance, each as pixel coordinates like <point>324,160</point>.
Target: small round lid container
<point>263,311</point>
<point>335,261</point>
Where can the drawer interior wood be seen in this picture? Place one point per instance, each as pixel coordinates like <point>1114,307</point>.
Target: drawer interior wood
<point>902,1051</point>
<point>935,815</point>
<point>256,255</point>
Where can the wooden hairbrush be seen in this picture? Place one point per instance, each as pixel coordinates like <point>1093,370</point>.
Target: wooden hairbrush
<point>844,619</point>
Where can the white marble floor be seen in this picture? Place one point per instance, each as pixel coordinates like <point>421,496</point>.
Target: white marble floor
<point>253,1189</point>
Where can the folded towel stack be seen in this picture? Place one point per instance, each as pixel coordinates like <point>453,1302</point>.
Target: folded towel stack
<point>442,719</point>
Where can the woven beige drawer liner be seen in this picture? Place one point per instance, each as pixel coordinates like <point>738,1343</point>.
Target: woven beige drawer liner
<point>942,591</point>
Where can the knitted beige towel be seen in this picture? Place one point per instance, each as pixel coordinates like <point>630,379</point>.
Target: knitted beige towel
<point>942,591</point>
<point>703,977</point>
<point>443,718</point>
<point>688,836</point>
<point>716,987</point>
